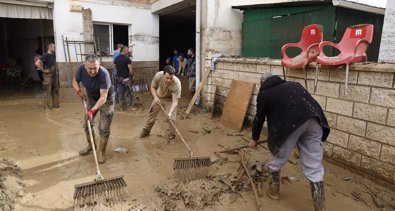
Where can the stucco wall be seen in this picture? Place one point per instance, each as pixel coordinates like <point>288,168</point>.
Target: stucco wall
<point>362,122</point>
<point>221,28</point>
<point>387,45</point>
<point>143,28</point>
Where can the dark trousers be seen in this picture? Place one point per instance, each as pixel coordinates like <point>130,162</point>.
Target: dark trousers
<point>51,89</point>
<point>106,114</point>
<point>124,90</point>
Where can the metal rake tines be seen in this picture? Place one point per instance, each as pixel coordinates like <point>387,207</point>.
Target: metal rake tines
<point>188,169</point>
<point>106,192</point>
<point>195,162</point>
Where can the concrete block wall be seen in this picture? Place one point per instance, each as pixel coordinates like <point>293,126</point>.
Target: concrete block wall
<point>362,122</point>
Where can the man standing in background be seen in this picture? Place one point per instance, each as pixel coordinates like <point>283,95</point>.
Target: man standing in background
<point>124,68</point>
<point>174,60</point>
<point>47,63</point>
<point>114,68</point>
<point>191,71</point>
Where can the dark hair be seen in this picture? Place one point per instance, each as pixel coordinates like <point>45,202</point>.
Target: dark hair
<point>191,49</point>
<point>169,69</point>
<point>49,45</point>
<point>123,48</point>
<point>91,58</point>
<point>119,45</point>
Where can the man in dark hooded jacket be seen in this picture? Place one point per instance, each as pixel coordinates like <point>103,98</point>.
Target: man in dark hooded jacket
<point>294,118</point>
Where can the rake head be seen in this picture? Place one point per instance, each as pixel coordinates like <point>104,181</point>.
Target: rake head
<point>105,192</point>
<point>194,168</point>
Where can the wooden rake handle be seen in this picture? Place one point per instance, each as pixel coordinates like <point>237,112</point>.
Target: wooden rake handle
<point>98,174</point>
<point>240,147</point>
<point>177,131</point>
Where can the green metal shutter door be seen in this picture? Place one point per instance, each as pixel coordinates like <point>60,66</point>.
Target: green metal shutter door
<point>266,30</point>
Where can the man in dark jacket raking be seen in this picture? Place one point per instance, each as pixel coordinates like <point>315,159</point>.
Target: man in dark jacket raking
<point>294,118</point>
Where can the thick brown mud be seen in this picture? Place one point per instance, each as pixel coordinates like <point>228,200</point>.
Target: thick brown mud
<point>45,145</point>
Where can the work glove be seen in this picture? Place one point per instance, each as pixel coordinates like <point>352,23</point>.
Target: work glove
<point>81,95</point>
<point>90,114</point>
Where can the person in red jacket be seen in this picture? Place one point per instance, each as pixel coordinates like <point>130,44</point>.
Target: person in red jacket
<point>294,118</point>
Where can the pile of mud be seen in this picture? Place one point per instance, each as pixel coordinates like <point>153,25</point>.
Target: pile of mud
<point>10,184</point>
<point>195,194</point>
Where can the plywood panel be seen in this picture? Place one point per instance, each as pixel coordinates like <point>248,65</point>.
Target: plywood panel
<point>236,104</point>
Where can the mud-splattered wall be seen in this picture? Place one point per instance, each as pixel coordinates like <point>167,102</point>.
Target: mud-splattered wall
<point>221,28</point>
<point>362,122</point>
<point>387,46</point>
<point>143,30</point>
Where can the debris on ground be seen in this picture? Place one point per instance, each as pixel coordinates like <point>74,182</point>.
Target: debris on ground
<point>196,194</point>
<point>10,184</point>
<point>235,134</point>
<point>121,149</point>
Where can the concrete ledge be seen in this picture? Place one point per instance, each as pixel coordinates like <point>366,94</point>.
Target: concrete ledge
<point>367,67</point>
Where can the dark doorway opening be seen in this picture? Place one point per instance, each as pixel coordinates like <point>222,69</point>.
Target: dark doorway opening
<point>121,35</point>
<point>21,40</point>
<point>176,31</point>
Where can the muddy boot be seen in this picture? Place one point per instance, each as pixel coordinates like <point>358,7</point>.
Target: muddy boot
<point>88,149</point>
<point>102,150</point>
<point>144,133</point>
<point>274,184</point>
<point>318,195</point>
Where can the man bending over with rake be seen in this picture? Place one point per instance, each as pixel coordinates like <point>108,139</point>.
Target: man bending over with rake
<point>166,90</point>
<point>99,97</point>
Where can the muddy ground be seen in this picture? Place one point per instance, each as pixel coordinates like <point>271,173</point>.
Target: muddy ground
<point>45,145</point>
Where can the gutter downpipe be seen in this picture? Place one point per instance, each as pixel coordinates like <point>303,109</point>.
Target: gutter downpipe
<point>197,53</point>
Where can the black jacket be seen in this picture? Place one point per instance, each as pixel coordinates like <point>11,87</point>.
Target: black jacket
<point>286,105</point>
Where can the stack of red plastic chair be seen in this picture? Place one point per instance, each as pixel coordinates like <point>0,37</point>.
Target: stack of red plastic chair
<point>311,37</point>
<point>352,49</point>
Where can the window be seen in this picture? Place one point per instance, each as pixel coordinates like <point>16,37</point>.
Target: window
<point>107,36</point>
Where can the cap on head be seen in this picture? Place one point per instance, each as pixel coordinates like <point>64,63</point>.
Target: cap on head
<point>265,76</point>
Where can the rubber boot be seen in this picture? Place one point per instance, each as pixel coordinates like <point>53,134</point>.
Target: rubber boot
<point>88,148</point>
<point>102,149</point>
<point>318,195</point>
<point>274,184</point>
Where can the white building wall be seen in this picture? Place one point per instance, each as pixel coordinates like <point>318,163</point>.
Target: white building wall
<point>144,26</point>
<point>387,45</point>
<point>221,28</point>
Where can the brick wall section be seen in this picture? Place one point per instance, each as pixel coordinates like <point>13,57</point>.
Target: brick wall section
<point>362,122</point>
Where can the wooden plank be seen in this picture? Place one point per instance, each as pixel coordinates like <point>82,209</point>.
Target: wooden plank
<point>236,104</point>
<point>205,77</point>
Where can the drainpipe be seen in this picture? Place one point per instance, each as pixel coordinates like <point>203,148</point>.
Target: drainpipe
<point>197,53</point>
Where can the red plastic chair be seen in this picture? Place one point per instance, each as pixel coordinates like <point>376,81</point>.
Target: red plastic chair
<point>311,38</point>
<point>352,47</point>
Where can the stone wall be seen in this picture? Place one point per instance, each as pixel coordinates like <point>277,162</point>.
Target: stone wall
<point>362,122</point>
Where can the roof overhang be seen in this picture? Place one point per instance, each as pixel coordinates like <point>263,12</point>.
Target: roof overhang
<point>238,4</point>
<point>163,7</point>
<point>360,7</point>
<point>33,3</point>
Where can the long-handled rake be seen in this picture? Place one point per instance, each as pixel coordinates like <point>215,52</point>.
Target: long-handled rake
<point>100,191</point>
<point>189,168</point>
